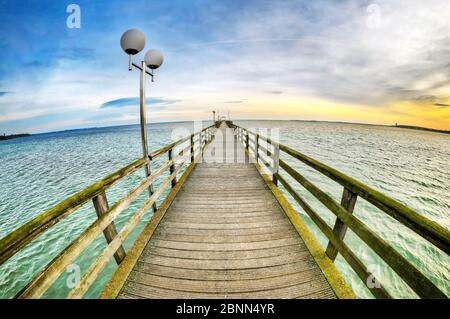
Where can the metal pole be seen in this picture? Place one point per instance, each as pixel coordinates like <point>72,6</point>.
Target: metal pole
<point>144,127</point>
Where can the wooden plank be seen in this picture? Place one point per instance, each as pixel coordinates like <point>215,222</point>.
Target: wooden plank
<point>267,224</point>
<point>226,246</point>
<point>223,232</point>
<point>224,239</point>
<point>223,219</point>
<point>230,286</point>
<point>293,291</point>
<point>224,264</point>
<point>227,274</point>
<point>216,255</point>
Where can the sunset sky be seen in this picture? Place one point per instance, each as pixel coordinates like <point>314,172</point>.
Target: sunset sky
<point>380,62</point>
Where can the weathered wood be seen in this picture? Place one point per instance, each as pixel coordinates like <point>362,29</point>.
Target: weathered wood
<point>246,140</point>
<point>303,290</point>
<point>117,281</point>
<point>94,270</point>
<point>348,201</point>
<point>192,148</point>
<point>206,231</point>
<point>257,148</point>
<point>172,167</point>
<point>414,278</point>
<point>19,238</point>
<point>148,172</point>
<point>57,266</point>
<point>16,240</point>
<point>101,208</point>
<point>276,159</point>
<point>428,229</point>
<point>349,256</point>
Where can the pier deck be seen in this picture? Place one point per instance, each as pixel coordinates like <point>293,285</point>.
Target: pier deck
<point>225,236</point>
<point>225,229</point>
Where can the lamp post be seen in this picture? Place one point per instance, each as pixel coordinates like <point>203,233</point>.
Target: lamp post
<point>214,117</point>
<point>132,42</point>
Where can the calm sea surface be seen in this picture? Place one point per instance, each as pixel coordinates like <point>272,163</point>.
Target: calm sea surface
<point>411,166</point>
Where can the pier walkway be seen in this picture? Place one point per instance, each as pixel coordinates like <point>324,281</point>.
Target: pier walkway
<point>225,236</point>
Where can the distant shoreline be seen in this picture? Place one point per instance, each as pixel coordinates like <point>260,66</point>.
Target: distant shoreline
<point>421,128</point>
<point>411,127</point>
<point>5,137</point>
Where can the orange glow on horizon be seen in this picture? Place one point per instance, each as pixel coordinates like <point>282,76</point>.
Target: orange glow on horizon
<point>312,108</point>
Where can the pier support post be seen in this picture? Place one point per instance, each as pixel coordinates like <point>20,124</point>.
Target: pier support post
<point>101,207</point>
<point>276,162</point>
<point>172,167</point>
<point>246,139</point>
<point>348,201</point>
<point>257,148</point>
<point>192,148</point>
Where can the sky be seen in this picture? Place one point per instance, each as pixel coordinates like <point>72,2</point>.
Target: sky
<point>378,62</point>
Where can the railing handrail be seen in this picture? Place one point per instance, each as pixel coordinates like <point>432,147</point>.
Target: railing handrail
<point>428,229</point>
<point>21,236</point>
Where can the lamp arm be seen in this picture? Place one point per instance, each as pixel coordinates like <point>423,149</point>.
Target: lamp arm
<point>138,67</point>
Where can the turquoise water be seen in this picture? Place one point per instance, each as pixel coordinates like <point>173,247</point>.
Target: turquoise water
<point>37,172</point>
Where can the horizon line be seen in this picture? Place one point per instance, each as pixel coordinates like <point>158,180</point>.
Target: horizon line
<point>203,120</point>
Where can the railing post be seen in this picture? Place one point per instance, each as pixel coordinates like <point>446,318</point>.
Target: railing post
<point>148,173</point>
<point>257,148</point>
<point>101,207</point>
<point>192,148</point>
<point>348,201</point>
<point>172,167</point>
<point>276,162</point>
<point>246,139</point>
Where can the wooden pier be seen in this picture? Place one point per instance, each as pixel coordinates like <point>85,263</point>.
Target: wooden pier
<point>225,236</point>
<point>226,228</point>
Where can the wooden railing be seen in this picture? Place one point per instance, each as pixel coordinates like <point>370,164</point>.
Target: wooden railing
<point>428,229</point>
<point>24,235</point>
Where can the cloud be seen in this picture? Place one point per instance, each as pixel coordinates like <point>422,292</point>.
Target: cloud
<point>2,93</point>
<point>128,101</point>
<point>442,104</point>
<point>426,98</point>
<point>234,102</point>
